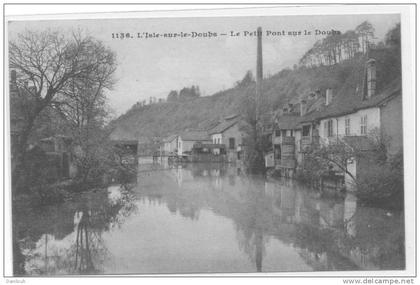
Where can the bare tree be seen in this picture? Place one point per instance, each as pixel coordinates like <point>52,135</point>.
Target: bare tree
<point>49,66</point>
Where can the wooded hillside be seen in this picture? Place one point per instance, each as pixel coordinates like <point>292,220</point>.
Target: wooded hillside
<point>165,118</point>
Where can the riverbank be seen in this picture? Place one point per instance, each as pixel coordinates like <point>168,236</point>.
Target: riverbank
<point>334,187</point>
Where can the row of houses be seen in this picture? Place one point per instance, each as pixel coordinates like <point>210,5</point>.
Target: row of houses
<point>222,142</point>
<point>369,103</point>
<point>367,100</point>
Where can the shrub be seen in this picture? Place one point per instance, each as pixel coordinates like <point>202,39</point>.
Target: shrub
<point>383,183</point>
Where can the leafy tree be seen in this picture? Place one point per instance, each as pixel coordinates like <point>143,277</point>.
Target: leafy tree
<point>172,96</point>
<point>365,32</point>
<point>393,37</point>
<point>247,80</point>
<point>188,93</point>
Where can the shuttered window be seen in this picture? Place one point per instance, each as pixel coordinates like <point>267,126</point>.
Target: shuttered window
<point>363,125</point>
<point>347,126</point>
<point>330,129</point>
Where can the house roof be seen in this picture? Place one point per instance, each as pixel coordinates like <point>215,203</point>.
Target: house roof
<point>195,136</point>
<point>224,125</point>
<point>170,138</point>
<point>350,97</point>
<point>286,122</point>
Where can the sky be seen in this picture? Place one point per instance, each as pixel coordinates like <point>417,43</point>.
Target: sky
<point>153,67</point>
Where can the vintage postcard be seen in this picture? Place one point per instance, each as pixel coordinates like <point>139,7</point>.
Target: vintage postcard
<point>244,141</point>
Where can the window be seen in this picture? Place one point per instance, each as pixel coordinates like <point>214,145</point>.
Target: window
<point>363,125</point>
<point>306,131</point>
<point>231,143</point>
<point>326,129</point>
<point>277,133</point>
<point>347,126</point>
<point>330,130</point>
<point>291,133</point>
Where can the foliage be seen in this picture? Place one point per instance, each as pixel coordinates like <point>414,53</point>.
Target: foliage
<point>187,93</point>
<point>247,80</point>
<point>254,141</point>
<point>55,72</point>
<point>393,37</point>
<point>172,96</point>
<point>311,170</point>
<point>383,182</point>
<point>337,47</point>
<point>381,177</point>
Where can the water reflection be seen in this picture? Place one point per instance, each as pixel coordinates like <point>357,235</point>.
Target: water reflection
<point>67,239</point>
<point>208,218</point>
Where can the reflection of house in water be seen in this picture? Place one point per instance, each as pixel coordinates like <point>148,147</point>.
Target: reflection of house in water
<point>327,234</point>
<point>350,207</point>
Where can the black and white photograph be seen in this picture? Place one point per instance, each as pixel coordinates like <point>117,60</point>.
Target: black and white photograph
<point>185,144</point>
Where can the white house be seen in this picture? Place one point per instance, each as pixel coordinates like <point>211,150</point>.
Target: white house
<point>187,139</point>
<point>361,109</point>
<point>228,133</point>
<point>170,145</point>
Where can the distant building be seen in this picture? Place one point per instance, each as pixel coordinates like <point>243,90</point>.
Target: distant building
<point>187,139</point>
<point>228,133</point>
<point>170,145</point>
<point>284,144</point>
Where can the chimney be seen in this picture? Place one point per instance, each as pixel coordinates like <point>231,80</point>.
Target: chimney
<point>13,76</point>
<point>371,78</point>
<point>302,107</point>
<point>328,96</point>
<point>259,73</point>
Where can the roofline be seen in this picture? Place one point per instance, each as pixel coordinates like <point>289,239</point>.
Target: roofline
<point>377,105</point>
<point>209,139</point>
<point>212,133</point>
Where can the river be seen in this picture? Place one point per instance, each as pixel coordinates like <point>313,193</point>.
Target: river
<point>207,218</point>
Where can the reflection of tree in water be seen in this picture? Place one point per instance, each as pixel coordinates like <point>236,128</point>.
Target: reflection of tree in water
<point>90,250</point>
<point>87,244</point>
<point>82,250</point>
<point>253,244</point>
<point>185,208</point>
<point>378,241</point>
<point>318,246</point>
<point>371,243</point>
